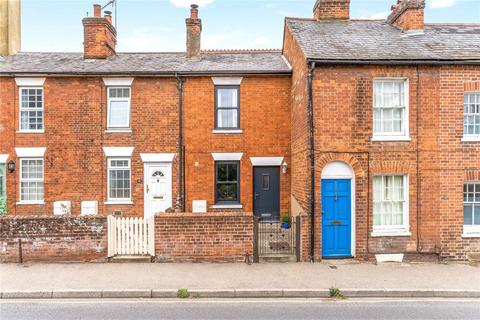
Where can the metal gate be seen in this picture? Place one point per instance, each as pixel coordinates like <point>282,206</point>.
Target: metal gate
<point>272,240</point>
<point>131,236</point>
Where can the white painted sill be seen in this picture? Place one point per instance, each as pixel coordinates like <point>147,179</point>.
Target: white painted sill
<point>24,203</point>
<point>227,206</point>
<point>30,131</point>
<point>471,235</point>
<point>471,138</point>
<point>219,131</point>
<point>390,233</point>
<point>118,131</point>
<point>111,202</point>
<point>391,138</point>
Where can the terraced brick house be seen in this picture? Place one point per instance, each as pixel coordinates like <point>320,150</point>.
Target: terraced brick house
<point>365,132</point>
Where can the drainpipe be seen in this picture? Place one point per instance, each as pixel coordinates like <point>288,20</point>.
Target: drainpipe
<point>180,203</point>
<point>312,161</point>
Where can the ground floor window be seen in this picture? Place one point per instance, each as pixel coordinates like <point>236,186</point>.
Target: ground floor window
<point>390,209</point>
<point>471,207</point>
<point>119,188</point>
<point>227,182</point>
<point>31,180</point>
<point>3,189</point>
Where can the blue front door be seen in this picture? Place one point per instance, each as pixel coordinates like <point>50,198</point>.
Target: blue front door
<point>336,218</point>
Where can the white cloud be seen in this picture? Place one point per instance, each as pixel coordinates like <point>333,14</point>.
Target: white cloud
<point>187,3</point>
<point>235,39</point>
<point>435,4</point>
<point>376,16</point>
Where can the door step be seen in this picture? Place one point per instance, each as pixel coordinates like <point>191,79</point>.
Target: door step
<point>131,259</point>
<point>277,258</point>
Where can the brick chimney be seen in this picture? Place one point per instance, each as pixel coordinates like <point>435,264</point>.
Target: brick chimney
<point>99,35</point>
<point>408,15</point>
<point>194,32</point>
<point>332,10</point>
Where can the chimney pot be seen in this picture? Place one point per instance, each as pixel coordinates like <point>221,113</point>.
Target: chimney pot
<point>97,10</point>
<point>194,11</point>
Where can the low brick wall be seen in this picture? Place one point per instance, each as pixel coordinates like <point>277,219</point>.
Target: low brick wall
<point>203,237</point>
<point>49,239</point>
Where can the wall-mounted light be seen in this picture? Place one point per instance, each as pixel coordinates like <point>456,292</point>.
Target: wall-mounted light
<point>11,166</point>
<point>284,167</point>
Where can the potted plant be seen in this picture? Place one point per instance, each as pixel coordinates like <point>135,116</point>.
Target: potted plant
<point>286,221</point>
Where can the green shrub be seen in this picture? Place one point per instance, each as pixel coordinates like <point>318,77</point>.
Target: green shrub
<point>3,206</point>
<point>183,293</point>
<point>286,218</point>
<point>336,293</point>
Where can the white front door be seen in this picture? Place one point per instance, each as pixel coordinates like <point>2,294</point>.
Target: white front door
<point>158,187</point>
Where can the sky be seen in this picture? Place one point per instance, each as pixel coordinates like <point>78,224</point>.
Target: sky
<point>159,25</point>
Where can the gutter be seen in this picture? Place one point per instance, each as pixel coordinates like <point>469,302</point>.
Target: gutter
<point>180,202</point>
<point>312,161</point>
<point>394,62</point>
<point>151,74</point>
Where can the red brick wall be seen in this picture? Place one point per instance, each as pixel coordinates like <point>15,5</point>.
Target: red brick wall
<point>300,133</point>
<point>208,237</point>
<point>75,124</point>
<point>459,161</point>
<point>100,38</point>
<point>53,239</point>
<point>265,120</point>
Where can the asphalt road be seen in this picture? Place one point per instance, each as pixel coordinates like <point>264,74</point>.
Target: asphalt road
<point>239,309</point>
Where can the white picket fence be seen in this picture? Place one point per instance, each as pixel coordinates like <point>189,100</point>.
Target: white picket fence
<point>131,236</point>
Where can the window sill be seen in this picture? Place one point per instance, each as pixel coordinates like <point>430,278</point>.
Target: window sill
<point>391,138</point>
<point>221,131</point>
<point>112,202</point>
<point>390,233</point>
<point>22,203</point>
<point>227,206</point>
<point>471,235</point>
<point>30,131</point>
<point>471,138</point>
<point>118,131</point>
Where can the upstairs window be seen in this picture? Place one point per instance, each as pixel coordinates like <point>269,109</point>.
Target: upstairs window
<point>227,107</point>
<point>471,208</point>
<point>471,115</point>
<point>31,109</point>
<point>390,109</point>
<point>390,209</point>
<point>31,180</point>
<point>118,108</point>
<point>227,182</point>
<point>119,188</point>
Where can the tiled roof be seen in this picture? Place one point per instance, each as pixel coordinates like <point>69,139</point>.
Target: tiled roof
<point>229,61</point>
<point>373,40</point>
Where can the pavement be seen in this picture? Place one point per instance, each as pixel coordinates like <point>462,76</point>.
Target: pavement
<point>156,280</point>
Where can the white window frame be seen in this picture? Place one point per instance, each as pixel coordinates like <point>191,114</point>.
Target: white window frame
<point>28,109</point>
<point>470,231</point>
<point>110,99</point>
<point>21,179</point>
<point>394,230</point>
<point>119,200</point>
<point>469,137</point>
<point>404,135</point>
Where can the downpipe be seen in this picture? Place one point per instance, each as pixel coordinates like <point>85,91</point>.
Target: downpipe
<point>180,203</point>
<point>312,161</point>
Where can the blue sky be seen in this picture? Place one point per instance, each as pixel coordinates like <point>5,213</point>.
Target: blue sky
<point>159,25</point>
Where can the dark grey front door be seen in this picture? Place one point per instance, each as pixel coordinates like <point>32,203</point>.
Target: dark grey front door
<point>266,192</point>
